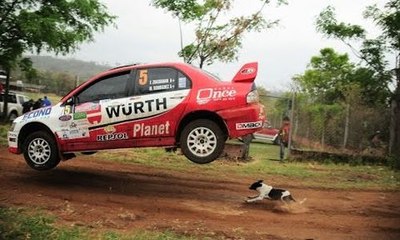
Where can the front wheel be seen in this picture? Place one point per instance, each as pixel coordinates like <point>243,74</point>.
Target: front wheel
<point>40,151</point>
<point>202,141</point>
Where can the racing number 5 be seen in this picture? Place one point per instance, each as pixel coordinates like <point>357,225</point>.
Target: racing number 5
<point>143,77</point>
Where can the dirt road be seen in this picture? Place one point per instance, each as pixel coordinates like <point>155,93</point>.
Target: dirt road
<point>106,195</point>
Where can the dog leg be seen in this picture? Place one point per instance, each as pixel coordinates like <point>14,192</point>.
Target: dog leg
<point>258,198</point>
<point>252,196</point>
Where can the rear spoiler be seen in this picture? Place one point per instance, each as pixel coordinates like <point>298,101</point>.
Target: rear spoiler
<point>247,73</point>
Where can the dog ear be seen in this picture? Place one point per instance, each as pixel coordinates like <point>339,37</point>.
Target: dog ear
<point>260,181</point>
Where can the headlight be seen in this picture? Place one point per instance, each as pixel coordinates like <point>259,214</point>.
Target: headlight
<point>252,97</point>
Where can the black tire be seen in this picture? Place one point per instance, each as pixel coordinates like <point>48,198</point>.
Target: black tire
<point>202,141</point>
<point>40,151</point>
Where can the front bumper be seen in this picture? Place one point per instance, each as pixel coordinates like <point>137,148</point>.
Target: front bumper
<point>12,138</point>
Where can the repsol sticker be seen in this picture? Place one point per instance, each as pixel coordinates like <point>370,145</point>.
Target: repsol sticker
<point>112,136</point>
<point>248,125</point>
<point>42,112</point>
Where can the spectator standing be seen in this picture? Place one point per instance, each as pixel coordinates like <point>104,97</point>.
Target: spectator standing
<point>38,104</point>
<point>46,102</point>
<point>284,137</point>
<point>27,106</point>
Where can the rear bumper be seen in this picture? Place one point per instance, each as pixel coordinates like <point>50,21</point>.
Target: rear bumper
<point>243,120</point>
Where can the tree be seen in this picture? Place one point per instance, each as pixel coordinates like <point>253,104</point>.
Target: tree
<point>57,26</point>
<point>327,76</point>
<point>215,39</point>
<point>331,75</point>
<point>373,53</point>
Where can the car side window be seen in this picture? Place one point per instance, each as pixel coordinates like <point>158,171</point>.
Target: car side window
<point>109,87</point>
<point>11,98</point>
<point>21,99</point>
<point>154,80</point>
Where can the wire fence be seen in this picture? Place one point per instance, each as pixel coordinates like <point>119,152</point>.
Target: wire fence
<point>341,128</point>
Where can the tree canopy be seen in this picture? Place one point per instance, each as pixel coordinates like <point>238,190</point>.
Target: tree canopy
<point>331,76</point>
<point>58,26</point>
<point>374,52</point>
<point>215,39</point>
<point>55,26</point>
<point>327,76</point>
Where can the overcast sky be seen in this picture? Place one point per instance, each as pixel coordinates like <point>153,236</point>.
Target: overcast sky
<point>147,34</point>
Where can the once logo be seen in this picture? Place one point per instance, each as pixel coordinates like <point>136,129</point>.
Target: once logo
<point>248,125</point>
<point>208,94</point>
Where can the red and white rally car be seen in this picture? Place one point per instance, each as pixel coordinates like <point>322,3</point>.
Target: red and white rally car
<point>145,105</point>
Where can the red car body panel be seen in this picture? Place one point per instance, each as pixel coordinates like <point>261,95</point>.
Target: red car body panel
<point>113,123</point>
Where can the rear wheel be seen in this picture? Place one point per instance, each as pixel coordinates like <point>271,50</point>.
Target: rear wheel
<point>40,151</point>
<point>202,141</point>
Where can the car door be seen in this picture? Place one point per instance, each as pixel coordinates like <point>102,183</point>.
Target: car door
<point>88,124</point>
<point>161,94</point>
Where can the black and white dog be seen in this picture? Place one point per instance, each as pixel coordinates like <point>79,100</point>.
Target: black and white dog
<point>269,192</point>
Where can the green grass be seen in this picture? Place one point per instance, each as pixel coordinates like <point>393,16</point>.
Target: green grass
<point>4,127</point>
<point>265,165</point>
<point>18,223</point>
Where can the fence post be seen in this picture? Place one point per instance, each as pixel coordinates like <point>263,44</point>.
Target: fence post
<point>346,127</point>
<point>291,123</point>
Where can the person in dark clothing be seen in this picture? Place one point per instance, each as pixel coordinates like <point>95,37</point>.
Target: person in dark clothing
<point>284,137</point>
<point>38,104</point>
<point>27,106</point>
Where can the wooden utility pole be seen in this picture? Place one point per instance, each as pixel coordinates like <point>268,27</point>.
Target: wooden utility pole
<point>6,91</point>
<point>394,142</point>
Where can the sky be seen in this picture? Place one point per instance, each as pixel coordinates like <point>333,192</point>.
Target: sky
<point>147,34</point>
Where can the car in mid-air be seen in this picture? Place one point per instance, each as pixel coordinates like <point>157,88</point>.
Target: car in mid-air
<point>267,134</point>
<point>142,105</point>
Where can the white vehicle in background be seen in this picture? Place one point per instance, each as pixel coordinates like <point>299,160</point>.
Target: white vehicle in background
<point>15,101</point>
